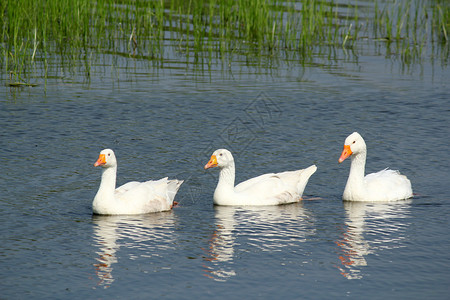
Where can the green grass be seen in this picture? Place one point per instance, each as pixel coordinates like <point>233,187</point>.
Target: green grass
<point>40,36</point>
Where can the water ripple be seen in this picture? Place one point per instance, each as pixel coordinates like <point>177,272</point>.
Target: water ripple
<point>240,230</point>
<point>147,235</point>
<point>370,228</point>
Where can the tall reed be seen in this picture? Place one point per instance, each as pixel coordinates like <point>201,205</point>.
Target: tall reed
<point>70,32</point>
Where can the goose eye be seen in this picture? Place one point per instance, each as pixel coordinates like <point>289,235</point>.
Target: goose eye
<point>109,154</point>
<point>220,154</point>
<point>354,142</point>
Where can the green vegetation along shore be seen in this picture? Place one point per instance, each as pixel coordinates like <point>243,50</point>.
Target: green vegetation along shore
<point>36,35</point>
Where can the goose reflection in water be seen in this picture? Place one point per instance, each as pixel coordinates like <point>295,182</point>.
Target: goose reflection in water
<point>383,222</point>
<point>148,234</point>
<point>265,228</point>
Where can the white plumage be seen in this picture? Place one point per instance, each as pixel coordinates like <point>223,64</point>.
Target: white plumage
<point>133,197</point>
<point>267,189</point>
<point>385,185</point>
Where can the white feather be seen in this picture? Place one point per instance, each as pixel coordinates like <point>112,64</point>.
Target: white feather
<point>385,185</point>
<point>133,197</point>
<point>267,189</point>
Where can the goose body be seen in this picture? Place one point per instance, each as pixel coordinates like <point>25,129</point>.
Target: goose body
<point>133,197</point>
<point>385,185</point>
<point>267,189</point>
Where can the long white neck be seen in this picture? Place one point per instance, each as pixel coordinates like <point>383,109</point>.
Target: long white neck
<point>108,182</point>
<point>357,169</point>
<point>226,177</point>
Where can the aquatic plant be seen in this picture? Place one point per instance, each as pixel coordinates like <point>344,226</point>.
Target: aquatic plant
<point>76,34</point>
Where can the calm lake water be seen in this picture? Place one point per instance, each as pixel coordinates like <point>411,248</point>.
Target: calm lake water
<point>167,122</point>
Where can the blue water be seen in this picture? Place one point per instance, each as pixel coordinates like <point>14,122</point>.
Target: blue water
<point>167,122</point>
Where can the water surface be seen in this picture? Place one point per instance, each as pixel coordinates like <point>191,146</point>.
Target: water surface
<point>167,122</point>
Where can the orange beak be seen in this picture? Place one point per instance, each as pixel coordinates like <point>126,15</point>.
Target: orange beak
<point>100,161</point>
<point>212,162</point>
<point>345,153</point>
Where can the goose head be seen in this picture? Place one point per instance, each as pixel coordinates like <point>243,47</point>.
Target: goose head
<point>354,144</point>
<point>220,158</point>
<point>106,159</point>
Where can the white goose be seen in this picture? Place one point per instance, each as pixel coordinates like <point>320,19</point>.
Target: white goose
<point>385,185</point>
<point>267,189</point>
<point>133,197</point>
